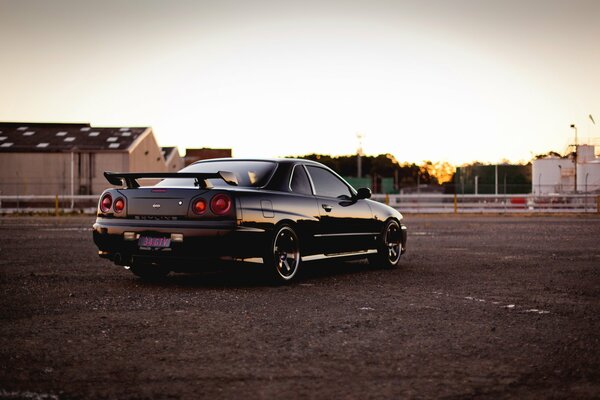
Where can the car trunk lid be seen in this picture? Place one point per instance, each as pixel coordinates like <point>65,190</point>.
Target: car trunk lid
<point>160,201</point>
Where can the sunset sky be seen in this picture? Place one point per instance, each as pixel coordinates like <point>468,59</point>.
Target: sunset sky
<point>440,80</point>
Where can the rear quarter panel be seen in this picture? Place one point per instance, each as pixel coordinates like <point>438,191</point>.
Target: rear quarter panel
<point>266,209</point>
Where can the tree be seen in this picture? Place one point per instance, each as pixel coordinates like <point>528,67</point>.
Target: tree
<point>385,166</point>
<point>548,154</point>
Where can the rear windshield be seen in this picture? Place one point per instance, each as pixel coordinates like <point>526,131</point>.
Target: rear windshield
<point>248,173</point>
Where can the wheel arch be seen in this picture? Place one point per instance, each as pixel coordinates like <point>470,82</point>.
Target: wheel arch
<point>289,222</point>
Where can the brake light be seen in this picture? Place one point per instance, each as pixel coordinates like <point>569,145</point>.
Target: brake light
<point>106,203</point>
<point>199,206</point>
<point>119,205</point>
<point>220,204</point>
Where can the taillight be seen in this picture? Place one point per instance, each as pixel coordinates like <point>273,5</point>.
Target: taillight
<point>199,206</point>
<point>220,204</point>
<point>119,205</point>
<point>106,203</point>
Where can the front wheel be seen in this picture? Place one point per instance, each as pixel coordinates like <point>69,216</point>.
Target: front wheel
<point>283,255</point>
<point>389,247</point>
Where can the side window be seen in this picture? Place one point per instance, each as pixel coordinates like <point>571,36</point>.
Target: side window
<point>327,184</point>
<point>300,183</point>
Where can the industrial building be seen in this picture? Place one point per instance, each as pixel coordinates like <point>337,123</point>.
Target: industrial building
<point>492,179</point>
<point>65,159</point>
<point>577,173</point>
<point>193,155</point>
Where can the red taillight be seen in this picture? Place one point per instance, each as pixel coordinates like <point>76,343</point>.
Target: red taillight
<point>199,206</point>
<point>220,204</point>
<point>119,205</point>
<point>106,203</point>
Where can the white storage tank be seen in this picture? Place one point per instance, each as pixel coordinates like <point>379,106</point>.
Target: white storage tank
<point>552,175</point>
<point>588,177</point>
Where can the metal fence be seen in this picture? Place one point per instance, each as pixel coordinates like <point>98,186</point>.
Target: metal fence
<point>506,203</point>
<point>406,203</point>
<point>57,204</point>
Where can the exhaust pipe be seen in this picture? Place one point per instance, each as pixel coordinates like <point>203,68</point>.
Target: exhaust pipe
<point>122,259</point>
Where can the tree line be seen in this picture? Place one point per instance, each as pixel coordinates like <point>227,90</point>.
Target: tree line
<point>428,173</point>
<point>386,166</point>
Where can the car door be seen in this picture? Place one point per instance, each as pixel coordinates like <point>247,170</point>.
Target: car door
<point>346,223</point>
<point>303,208</point>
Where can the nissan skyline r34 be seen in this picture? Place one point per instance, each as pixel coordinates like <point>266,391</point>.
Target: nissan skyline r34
<point>281,212</point>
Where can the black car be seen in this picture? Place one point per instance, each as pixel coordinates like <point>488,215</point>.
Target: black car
<point>280,212</point>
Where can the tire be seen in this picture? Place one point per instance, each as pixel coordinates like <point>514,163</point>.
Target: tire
<point>149,272</point>
<point>282,258</point>
<point>389,248</point>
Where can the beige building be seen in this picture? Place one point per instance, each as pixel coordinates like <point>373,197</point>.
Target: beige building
<point>60,159</point>
<point>173,160</point>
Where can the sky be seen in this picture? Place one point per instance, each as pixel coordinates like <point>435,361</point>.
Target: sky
<point>440,80</point>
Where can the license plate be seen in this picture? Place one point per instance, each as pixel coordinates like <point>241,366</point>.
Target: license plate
<point>154,242</point>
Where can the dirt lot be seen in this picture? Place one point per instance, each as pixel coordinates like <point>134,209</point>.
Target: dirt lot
<point>481,307</point>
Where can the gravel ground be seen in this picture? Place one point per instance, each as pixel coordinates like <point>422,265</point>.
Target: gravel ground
<point>481,307</point>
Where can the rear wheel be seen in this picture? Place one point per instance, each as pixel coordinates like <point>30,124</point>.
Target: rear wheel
<point>283,255</point>
<point>149,272</point>
<point>389,247</point>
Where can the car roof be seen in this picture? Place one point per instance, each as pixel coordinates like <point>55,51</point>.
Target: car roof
<point>276,160</point>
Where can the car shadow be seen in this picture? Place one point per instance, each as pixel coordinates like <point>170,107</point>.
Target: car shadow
<point>249,275</point>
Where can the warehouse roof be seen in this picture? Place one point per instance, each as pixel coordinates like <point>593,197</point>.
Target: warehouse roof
<point>25,137</point>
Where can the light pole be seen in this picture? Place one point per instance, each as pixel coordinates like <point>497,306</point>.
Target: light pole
<point>575,158</point>
<point>359,153</point>
<point>496,179</point>
<point>574,127</point>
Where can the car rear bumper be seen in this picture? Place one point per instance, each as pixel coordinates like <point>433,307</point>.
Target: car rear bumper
<point>118,240</point>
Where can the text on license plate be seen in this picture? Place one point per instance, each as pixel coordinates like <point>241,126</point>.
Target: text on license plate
<point>148,241</point>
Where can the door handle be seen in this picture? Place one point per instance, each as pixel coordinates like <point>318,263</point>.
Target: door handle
<point>326,207</point>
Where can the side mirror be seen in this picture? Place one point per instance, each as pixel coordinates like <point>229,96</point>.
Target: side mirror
<point>363,193</point>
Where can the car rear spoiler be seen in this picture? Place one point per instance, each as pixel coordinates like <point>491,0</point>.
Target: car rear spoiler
<point>129,179</point>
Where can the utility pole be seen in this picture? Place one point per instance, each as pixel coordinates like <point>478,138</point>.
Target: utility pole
<point>359,153</point>
<point>496,179</point>
<point>575,158</point>
<point>72,180</point>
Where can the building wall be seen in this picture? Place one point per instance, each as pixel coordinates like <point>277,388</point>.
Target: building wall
<point>108,161</point>
<point>492,179</point>
<point>146,155</point>
<point>175,162</point>
<point>50,173</point>
<point>193,155</point>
